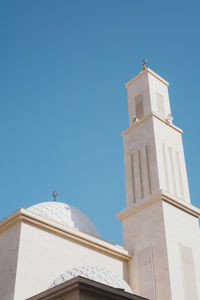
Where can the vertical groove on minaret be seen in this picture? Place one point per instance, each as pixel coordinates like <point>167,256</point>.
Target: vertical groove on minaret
<point>148,169</point>
<point>179,174</point>
<point>140,171</point>
<point>133,177</point>
<point>165,166</point>
<point>172,169</point>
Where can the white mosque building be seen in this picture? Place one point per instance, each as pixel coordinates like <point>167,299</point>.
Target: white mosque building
<point>52,242</point>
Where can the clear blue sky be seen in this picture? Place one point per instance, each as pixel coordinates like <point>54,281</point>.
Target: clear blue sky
<point>63,65</point>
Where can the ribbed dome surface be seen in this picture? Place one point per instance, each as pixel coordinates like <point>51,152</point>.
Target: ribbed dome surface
<point>64,214</point>
<point>94,273</point>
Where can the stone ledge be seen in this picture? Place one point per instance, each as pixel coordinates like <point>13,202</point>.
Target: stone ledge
<point>144,72</point>
<point>152,114</point>
<point>157,197</point>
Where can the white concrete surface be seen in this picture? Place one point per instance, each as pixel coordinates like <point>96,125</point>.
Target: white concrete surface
<point>9,246</point>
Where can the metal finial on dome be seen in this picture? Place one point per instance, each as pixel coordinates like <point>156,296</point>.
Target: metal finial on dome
<point>54,194</point>
<point>144,62</point>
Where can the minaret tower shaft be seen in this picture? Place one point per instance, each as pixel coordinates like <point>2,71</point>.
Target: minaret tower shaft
<point>160,226</point>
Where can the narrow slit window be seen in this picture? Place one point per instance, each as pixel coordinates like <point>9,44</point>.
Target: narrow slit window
<point>160,104</point>
<point>139,106</point>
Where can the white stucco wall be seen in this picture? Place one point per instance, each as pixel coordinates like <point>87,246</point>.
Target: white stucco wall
<point>43,256</point>
<point>146,230</point>
<point>182,230</point>
<point>171,160</point>
<point>9,241</point>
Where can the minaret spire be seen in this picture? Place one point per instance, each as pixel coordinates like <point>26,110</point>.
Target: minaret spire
<point>154,157</point>
<point>160,226</point>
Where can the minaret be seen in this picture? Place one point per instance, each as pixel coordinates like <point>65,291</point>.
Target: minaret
<point>160,226</point>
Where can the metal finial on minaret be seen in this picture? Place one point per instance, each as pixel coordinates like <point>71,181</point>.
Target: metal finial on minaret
<point>54,194</point>
<point>144,62</point>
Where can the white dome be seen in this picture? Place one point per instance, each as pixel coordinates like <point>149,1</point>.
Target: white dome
<point>94,273</point>
<point>64,214</point>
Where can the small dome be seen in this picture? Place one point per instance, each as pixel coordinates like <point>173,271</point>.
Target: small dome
<point>64,214</point>
<point>94,273</point>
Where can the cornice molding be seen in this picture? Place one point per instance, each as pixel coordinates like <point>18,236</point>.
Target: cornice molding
<point>159,197</point>
<point>23,216</point>
<point>130,82</point>
<point>153,115</point>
